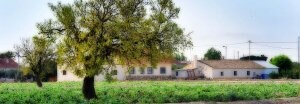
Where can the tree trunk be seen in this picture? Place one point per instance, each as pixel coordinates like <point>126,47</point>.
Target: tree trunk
<point>88,88</point>
<point>38,81</point>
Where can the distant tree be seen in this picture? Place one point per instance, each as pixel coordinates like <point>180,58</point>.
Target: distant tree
<point>36,55</point>
<point>8,54</point>
<point>262,58</point>
<point>50,70</point>
<point>283,62</point>
<point>213,54</point>
<point>97,34</point>
<point>180,57</point>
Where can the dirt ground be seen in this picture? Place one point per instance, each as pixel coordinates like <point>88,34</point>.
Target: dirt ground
<point>294,100</point>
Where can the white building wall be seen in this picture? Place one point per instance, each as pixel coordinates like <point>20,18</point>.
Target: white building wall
<point>68,77</point>
<point>122,72</point>
<point>270,70</point>
<point>204,70</point>
<point>181,74</point>
<point>156,70</point>
<point>241,73</point>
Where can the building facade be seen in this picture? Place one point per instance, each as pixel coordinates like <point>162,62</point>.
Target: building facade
<point>163,70</point>
<point>235,69</point>
<point>8,70</point>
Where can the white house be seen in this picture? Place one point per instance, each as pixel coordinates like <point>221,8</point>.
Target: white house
<point>163,70</point>
<point>8,70</point>
<point>235,69</point>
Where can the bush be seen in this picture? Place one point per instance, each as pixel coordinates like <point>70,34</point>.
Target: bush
<point>274,75</point>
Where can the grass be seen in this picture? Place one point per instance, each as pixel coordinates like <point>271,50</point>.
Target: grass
<point>146,92</point>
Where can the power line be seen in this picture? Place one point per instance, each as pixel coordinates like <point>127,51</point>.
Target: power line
<point>237,43</point>
<point>275,42</point>
<point>275,47</point>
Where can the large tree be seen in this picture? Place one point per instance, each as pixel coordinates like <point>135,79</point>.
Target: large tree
<point>283,62</point>
<point>37,55</point>
<point>213,54</point>
<point>96,34</point>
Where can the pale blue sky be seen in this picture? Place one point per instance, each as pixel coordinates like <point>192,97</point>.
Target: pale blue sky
<point>213,22</point>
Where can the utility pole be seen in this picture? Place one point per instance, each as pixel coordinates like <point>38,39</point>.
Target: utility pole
<point>18,74</point>
<point>238,54</point>
<point>234,54</point>
<point>298,49</point>
<point>249,48</point>
<point>225,52</point>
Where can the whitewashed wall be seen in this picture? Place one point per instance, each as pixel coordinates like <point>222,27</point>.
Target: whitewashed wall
<point>156,70</point>
<point>181,74</point>
<point>204,70</point>
<point>122,72</point>
<point>270,70</point>
<point>241,73</point>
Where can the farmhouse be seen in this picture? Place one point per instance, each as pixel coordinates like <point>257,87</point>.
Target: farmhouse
<point>8,64</point>
<point>235,69</point>
<point>163,70</point>
<point>8,70</point>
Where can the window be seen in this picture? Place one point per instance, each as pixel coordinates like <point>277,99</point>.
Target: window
<point>235,73</point>
<point>114,72</point>
<point>132,70</point>
<point>149,70</point>
<point>64,72</point>
<point>222,73</point>
<point>162,70</point>
<point>248,73</point>
<point>176,73</point>
<point>142,70</point>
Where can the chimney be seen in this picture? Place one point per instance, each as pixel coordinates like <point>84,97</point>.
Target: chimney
<point>195,61</point>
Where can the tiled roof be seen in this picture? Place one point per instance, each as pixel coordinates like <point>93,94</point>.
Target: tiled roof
<point>232,64</point>
<point>8,63</point>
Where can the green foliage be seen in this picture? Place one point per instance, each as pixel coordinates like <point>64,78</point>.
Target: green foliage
<point>180,57</point>
<point>261,57</point>
<point>145,92</point>
<point>177,66</point>
<point>8,54</point>
<point>213,54</point>
<point>38,55</point>
<point>98,32</point>
<point>274,75</point>
<point>95,35</point>
<point>283,62</point>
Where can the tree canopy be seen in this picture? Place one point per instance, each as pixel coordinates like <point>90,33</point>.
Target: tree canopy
<point>180,57</point>
<point>213,54</point>
<point>282,61</point>
<point>38,54</point>
<point>8,54</point>
<point>96,35</point>
<point>262,57</point>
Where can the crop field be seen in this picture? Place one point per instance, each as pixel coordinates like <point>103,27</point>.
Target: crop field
<point>146,92</point>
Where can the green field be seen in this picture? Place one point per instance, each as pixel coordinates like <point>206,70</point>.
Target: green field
<point>146,92</point>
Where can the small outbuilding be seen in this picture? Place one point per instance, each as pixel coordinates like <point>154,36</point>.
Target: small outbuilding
<point>235,69</point>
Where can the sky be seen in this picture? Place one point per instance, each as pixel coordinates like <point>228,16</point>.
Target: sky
<point>272,25</point>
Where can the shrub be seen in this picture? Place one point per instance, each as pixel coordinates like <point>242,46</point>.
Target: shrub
<point>274,75</point>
